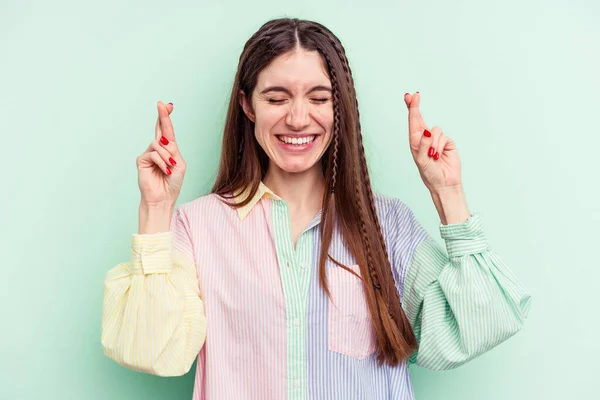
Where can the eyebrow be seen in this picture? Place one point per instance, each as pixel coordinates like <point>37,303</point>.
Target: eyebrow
<point>284,90</point>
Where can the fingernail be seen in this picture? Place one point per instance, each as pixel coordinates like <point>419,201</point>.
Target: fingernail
<point>431,151</point>
<point>172,161</point>
<point>436,155</point>
<point>417,92</point>
<point>164,140</point>
<point>171,103</point>
<point>426,133</point>
<point>405,94</point>
<point>168,171</point>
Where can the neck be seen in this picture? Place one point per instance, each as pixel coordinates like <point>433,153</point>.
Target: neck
<point>301,191</point>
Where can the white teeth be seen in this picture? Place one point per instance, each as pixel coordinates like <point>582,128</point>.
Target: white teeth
<point>296,141</point>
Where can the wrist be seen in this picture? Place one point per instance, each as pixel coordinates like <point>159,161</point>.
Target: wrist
<point>451,204</point>
<point>157,206</point>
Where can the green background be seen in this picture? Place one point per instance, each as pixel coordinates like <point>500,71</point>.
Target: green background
<point>515,83</point>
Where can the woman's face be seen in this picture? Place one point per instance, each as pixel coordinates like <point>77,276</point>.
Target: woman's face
<point>292,109</point>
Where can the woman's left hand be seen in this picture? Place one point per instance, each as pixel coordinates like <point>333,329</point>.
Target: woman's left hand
<point>436,155</point>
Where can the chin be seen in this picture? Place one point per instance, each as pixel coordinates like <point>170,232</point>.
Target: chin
<point>295,168</point>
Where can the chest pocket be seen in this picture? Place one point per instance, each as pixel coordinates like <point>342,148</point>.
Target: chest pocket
<point>350,328</point>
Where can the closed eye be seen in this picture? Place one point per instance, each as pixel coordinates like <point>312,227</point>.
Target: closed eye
<point>316,100</point>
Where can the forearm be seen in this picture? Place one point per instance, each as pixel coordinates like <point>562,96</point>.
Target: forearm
<point>451,204</point>
<point>155,218</point>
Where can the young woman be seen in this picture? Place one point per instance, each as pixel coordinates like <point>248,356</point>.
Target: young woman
<point>292,279</point>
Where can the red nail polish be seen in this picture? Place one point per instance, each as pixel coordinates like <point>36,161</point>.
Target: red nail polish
<point>171,103</point>
<point>172,161</point>
<point>164,140</point>
<point>431,152</point>
<point>427,133</point>
<point>436,155</point>
<point>168,170</point>
<point>405,94</point>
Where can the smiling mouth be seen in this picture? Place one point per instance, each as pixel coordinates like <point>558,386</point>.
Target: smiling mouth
<point>297,141</point>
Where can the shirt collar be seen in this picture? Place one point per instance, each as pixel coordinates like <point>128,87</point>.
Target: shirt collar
<point>263,190</point>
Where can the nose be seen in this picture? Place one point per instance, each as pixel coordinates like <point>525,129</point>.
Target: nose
<point>298,116</point>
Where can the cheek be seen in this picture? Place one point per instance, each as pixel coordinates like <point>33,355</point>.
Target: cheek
<point>266,119</point>
<point>325,118</point>
<point>268,116</point>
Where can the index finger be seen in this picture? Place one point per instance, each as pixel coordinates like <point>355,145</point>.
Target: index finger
<point>166,125</point>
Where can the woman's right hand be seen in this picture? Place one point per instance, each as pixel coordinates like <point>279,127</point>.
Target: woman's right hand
<point>161,167</point>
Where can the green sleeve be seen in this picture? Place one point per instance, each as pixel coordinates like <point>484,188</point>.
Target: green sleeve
<point>463,303</point>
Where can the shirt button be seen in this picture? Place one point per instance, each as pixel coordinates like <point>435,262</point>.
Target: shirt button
<point>296,322</point>
<point>287,264</point>
<point>303,265</point>
<point>297,383</point>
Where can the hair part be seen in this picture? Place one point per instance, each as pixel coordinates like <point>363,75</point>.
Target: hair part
<point>348,201</point>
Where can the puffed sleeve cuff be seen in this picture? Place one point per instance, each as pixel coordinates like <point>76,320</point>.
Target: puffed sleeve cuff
<point>464,238</point>
<point>151,253</point>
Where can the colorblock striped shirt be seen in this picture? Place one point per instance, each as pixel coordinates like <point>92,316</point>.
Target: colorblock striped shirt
<point>227,287</point>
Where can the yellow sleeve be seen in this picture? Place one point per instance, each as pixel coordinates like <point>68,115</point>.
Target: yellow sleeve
<point>153,315</point>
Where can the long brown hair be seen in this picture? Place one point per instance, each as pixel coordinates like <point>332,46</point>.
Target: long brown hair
<point>348,199</point>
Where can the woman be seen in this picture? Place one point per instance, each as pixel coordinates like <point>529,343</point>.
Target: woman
<point>292,279</point>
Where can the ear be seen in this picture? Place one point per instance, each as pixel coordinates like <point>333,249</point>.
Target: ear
<point>246,106</point>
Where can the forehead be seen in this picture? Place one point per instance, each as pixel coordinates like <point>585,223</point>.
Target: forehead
<point>298,69</point>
